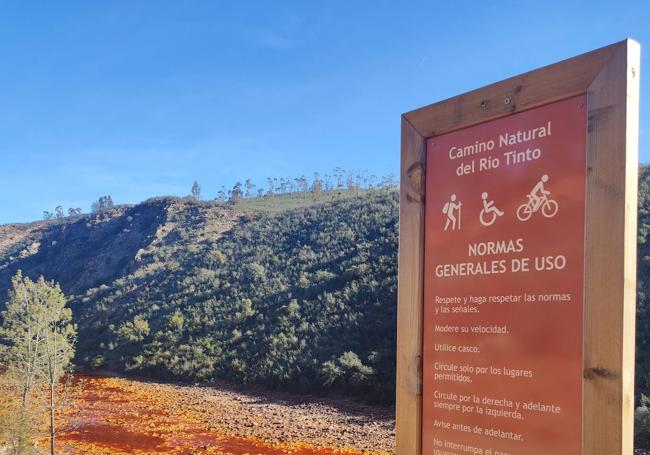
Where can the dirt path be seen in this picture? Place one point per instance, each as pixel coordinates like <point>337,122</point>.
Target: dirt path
<point>119,416</point>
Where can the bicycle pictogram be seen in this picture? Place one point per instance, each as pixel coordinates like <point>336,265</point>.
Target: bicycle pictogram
<point>538,201</point>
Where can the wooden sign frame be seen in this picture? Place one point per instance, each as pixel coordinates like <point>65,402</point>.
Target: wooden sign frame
<point>610,78</point>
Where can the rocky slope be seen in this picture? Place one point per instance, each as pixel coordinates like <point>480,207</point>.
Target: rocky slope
<point>301,295</point>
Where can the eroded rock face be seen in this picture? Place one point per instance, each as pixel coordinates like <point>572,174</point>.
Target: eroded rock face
<point>30,250</point>
<point>92,250</point>
<point>87,252</point>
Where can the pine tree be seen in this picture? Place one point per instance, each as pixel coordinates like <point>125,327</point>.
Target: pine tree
<point>37,340</point>
<point>196,190</point>
<point>249,187</point>
<point>236,193</point>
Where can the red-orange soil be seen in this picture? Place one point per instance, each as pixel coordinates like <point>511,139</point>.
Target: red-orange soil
<point>121,416</point>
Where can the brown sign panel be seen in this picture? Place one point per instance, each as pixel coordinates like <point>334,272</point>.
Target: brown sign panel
<point>503,285</point>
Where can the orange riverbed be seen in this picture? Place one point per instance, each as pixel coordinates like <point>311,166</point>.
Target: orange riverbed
<point>117,416</point>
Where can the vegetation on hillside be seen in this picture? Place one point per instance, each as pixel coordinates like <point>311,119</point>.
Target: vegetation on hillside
<point>290,289</point>
<point>304,298</point>
<point>642,415</point>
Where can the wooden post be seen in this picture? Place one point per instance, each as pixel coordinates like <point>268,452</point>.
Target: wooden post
<point>610,78</point>
<point>610,253</point>
<point>410,291</point>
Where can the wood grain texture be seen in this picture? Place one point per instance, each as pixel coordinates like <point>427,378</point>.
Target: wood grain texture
<point>610,254</point>
<point>610,77</point>
<point>545,85</point>
<point>410,292</point>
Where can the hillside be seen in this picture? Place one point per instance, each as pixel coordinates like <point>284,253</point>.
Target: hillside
<point>286,291</point>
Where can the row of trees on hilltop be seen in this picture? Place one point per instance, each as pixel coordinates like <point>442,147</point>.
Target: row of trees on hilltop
<point>59,213</point>
<point>101,205</point>
<point>340,179</point>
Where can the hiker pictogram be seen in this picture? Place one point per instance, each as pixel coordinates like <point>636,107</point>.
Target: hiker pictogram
<point>453,211</point>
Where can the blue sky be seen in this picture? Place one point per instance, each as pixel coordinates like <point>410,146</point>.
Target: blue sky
<point>137,99</point>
